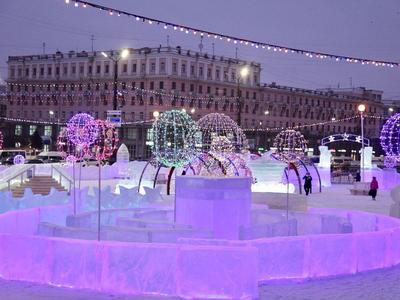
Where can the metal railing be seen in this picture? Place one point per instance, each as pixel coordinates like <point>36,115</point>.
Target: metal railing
<point>28,170</point>
<point>58,175</point>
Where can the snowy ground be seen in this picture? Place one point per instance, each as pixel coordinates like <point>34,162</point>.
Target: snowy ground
<point>374,285</point>
<point>338,196</point>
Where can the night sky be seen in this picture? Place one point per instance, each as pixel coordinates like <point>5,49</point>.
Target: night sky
<point>363,28</point>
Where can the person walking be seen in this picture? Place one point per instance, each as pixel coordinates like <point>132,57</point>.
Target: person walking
<point>358,177</point>
<point>373,188</point>
<point>307,183</point>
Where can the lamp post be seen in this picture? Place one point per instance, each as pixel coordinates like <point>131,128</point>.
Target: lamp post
<point>361,109</point>
<point>123,54</point>
<point>243,73</point>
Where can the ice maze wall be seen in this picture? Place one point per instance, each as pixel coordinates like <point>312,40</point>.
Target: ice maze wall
<point>192,267</point>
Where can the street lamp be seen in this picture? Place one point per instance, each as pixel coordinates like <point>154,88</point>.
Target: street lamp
<point>390,109</point>
<point>156,114</point>
<point>192,111</point>
<point>266,112</point>
<point>361,109</point>
<point>243,73</point>
<point>122,55</point>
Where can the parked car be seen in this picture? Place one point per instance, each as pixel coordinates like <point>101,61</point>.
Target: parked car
<point>35,161</point>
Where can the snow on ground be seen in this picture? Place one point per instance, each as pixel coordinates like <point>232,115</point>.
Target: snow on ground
<point>338,196</point>
<point>374,285</point>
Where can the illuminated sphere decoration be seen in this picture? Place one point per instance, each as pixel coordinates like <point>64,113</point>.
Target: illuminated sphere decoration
<point>81,129</point>
<point>64,145</point>
<point>221,144</point>
<point>390,162</point>
<point>70,160</point>
<point>19,159</point>
<point>215,125</point>
<point>106,141</point>
<point>390,136</point>
<point>290,141</point>
<point>174,136</point>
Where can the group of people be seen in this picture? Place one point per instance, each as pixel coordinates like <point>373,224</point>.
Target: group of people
<point>373,187</point>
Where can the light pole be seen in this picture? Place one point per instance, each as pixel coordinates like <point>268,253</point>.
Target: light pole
<point>243,73</point>
<point>361,109</point>
<point>123,54</point>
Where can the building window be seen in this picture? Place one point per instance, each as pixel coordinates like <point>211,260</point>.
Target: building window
<point>98,69</point>
<point>153,67</point>
<point>47,130</point>
<point>183,69</point>
<point>32,129</point>
<point>182,87</point>
<point>18,130</point>
<point>174,68</point>
<point>151,85</point>
<point>134,68</point>
<point>173,85</point>
<point>162,67</point>
<point>107,69</point>
<point>161,85</point>
<point>124,68</point>
<point>49,71</point>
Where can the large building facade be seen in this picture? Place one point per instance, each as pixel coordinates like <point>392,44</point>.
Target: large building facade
<point>44,91</point>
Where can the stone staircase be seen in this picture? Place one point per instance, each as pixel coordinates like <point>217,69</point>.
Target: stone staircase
<point>39,185</point>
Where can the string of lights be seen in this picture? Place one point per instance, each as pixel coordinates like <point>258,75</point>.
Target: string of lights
<point>233,39</point>
<point>259,129</point>
<point>139,92</point>
<point>124,90</point>
<point>20,120</point>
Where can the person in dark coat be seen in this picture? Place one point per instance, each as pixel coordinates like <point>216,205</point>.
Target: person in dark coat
<point>373,188</point>
<point>358,177</point>
<point>307,183</point>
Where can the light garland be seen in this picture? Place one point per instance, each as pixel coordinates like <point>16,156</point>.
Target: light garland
<point>304,125</point>
<point>217,125</point>
<point>174,138</point>
<point>237,40</point>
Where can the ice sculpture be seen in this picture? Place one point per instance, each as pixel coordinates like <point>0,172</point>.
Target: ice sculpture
<point>324,157</point>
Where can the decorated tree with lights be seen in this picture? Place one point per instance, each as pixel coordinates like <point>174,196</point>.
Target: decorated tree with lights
<point>1,140</point>
<point>174,136</point>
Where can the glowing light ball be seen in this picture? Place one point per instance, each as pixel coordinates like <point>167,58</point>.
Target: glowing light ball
<point>106,141</point>
<point>64,145</point>
<point>221,144</point>
<point>290,141</point>
<point>390,140</point>
<point>19,159</point>
<point>174,136</point>
<point>390,162</point>
<point>70,160</point>
<point>81,129</point>
<point>217,125</point>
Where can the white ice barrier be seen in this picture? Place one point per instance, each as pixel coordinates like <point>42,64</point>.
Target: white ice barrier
<point>218,204</point>
<point>129,268</point>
